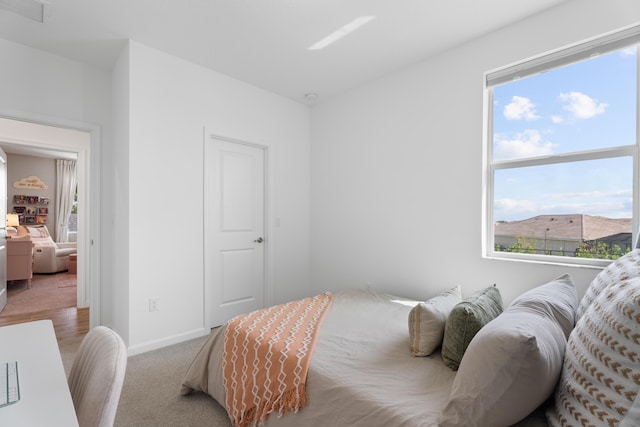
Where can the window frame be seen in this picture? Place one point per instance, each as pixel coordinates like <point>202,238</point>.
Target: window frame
<point>607,43</point>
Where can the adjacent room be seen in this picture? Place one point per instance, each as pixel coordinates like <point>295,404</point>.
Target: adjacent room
<point>366,157</point>
<point>41,257</point>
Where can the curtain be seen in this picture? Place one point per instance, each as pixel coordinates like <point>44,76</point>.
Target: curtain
<point>66,181</point>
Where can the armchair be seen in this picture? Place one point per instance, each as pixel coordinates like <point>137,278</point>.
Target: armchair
<point>49,256</point>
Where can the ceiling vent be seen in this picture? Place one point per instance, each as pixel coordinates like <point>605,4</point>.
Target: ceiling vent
<point>32,9</point>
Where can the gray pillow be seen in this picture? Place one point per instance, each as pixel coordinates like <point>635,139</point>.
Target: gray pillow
<point>465,320</point>
<point>513,364</point>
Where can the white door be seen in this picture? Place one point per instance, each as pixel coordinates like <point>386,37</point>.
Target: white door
<point>3,230</point>
<point>234,218</point>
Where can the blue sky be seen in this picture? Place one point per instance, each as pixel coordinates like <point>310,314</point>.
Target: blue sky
<point>583,106</point>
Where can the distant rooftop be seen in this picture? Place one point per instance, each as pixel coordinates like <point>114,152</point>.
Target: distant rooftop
<point>578,227</point>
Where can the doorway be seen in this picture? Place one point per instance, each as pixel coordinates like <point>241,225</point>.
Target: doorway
<point>234,229</point>
<point>55,138</point>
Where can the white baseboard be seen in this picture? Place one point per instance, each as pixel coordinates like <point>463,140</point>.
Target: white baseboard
<point>167,341</point>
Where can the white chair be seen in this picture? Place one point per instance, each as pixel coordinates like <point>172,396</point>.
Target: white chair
<point>96,377</point>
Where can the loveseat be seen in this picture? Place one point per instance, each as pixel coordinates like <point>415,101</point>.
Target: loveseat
<point>48,256</point>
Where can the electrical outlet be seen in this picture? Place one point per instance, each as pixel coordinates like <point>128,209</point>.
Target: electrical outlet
<point>154,304</point>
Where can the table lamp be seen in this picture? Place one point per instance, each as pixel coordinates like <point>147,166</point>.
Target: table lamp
<point>12,223</point>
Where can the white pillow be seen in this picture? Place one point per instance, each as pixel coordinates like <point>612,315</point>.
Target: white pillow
<point>513,363</point>
<point>38,231</point>
<point>601,373</point>
<point>427,320</point>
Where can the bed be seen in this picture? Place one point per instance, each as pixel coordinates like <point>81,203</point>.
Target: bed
<point>361,371</point>
<point>548,359</point>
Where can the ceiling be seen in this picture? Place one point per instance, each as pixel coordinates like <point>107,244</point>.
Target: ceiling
<point>264,42</point>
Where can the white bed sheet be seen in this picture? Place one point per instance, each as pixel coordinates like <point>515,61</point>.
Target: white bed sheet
<point>361,372</point>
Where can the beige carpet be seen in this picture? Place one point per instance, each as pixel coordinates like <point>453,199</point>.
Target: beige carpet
<point>151,393</point>
<point>48,291</point>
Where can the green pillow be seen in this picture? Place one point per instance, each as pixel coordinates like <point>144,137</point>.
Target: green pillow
<point>465,320</point>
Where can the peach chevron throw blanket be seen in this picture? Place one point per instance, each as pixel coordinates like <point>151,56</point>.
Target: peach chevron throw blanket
<point>266,358</point>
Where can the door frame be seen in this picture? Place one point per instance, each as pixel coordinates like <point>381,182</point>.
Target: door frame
<point>209,136</point>
<point>88,172</point>
<point>3,235</point>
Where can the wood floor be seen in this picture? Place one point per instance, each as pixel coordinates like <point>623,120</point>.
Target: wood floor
<point>69,323</point>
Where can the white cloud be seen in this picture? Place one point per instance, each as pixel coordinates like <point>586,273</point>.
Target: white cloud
<point>613,204</point>
<point>557,119</point>
<point>582,106</point>
<point>591,194</point>
<point>520,108</point>
<point>628,52</point>
<point>526,144</point>
<point>515,206</point>
<point>512,209</point>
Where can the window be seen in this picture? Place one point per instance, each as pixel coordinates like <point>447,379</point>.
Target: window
<point>562,153</point>
<point>73,218</point>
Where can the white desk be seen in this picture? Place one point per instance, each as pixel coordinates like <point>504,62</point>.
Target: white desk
<point>45,399</point>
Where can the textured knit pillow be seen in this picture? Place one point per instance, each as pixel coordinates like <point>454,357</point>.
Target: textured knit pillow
<point>621,269</point>
<point>427,320</point>
<point>465,320</point>
<point>632,419</point>
<point>601,372</point>
<point>512,365</point>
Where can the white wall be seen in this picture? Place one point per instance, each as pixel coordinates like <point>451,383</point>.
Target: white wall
<point>115,298</point>
<point>21,166</point>
<point>150,162</point>
<point>397,167</point>
<point>170,103</point>
<point>49,89</point>
<point>395,183</point>
<point>40,83</point>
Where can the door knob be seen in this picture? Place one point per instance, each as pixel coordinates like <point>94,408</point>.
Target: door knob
<point>259,240</point>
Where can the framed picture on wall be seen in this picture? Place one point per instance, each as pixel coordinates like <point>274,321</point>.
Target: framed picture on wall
<point>30,210</point>
<point>19,209</point>
<point>29,219</point>
<point>43,211</point>
<point>19,200</point>
<point>44,200</point>
<point>41,219</point>
<point>32,200</point>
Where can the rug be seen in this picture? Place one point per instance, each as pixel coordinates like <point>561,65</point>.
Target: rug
<point>66,280</point>
<point>48,291</point>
